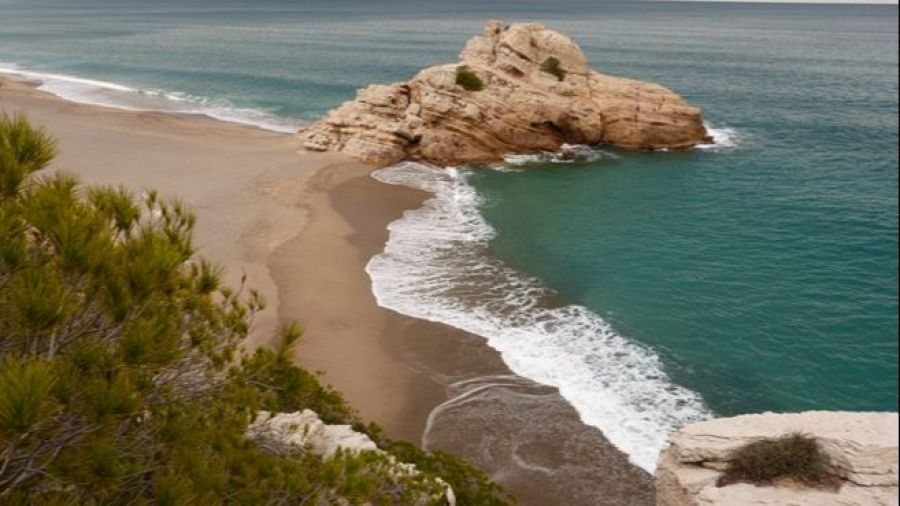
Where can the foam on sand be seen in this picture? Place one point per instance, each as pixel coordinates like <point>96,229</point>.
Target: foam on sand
<point>435,266</point>
<point>108,94</point>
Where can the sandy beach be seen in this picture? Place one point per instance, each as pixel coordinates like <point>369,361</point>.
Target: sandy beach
<point>242,182</point>
<point>456,393</point>
<point>302,226</point>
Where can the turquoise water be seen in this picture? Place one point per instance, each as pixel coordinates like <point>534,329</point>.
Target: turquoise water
<point>762,273</point>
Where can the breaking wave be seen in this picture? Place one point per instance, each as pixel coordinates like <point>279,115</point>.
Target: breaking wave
<point>567,153</point>
<point>436,266</point>
<point>724,137</point>
<point>108,94</point>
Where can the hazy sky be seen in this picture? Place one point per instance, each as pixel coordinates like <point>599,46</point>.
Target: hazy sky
<point>885,2</point>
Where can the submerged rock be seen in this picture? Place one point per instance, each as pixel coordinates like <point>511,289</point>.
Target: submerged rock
<point>536,94</point>
<point>862,449</point>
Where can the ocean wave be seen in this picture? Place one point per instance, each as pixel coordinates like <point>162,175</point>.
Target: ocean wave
<point>108,94</point>
<point>435,266</point>
<point>724,138</point>
<point>568,153</point>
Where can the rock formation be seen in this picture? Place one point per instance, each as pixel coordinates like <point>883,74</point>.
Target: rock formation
<point>536,94</point>
<point>304,429</point>
<point>862,449</point>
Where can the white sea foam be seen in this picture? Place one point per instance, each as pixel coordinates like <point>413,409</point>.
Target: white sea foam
<point>724,137</point>
<point>568,153</point>
<point>107,94</point>
<point>435,266</point>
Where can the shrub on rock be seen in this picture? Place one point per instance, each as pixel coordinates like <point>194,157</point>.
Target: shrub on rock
<point>552,66</point>
<point>468,79</point>
<point>795,457</point>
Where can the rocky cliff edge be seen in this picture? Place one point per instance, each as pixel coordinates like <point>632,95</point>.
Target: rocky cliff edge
<point>861,448</point>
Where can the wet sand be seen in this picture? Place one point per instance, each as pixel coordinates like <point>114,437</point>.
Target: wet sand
<point>460,396</point>
<point>302,226</point>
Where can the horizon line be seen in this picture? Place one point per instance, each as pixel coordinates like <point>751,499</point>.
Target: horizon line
<point>805,2</point>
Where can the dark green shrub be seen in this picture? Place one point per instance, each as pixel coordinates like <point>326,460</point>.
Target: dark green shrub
<point>552,66</point>
<point>795,457</point>
<point>121,376</point>
<point>470,484</point>
<point>468,80</point>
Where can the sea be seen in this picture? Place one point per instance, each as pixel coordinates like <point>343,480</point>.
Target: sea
<point>651,288</point>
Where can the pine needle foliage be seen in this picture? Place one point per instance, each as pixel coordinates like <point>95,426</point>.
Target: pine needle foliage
<point>121,376</point>
<point>23,151</point>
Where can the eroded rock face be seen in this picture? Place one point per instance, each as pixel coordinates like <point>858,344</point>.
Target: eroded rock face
<point>862,448</point>
<point>521,108</point>
<point>304,428</point>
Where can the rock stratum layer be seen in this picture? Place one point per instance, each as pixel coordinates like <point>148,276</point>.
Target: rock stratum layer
<point>537,93</point>
<point>861,447</point>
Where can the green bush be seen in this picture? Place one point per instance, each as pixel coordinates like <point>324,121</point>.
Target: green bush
<point>552,66</point>
<point>468,79</point>
<point>470,485</point>
<point>795,456</point>
<point>121,379</point>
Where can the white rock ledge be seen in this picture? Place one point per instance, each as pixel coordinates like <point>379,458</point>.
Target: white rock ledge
<point>862,448</point>
<point>304,429</point>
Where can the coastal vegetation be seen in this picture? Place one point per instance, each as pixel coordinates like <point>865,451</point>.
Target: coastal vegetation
<point>122,379</point>
<point>551,65</point>
<point>468,79</point>
<point>795,457</point>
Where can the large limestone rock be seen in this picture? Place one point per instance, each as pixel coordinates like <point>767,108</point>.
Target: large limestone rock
<point>862,448</point>
<point>304,429</point>
<point>521,108</point>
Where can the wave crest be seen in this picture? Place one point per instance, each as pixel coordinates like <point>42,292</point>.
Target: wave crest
<point>107,94</point>
<point>724,137</point>
<point>568,153</point>
<point>435,266</point>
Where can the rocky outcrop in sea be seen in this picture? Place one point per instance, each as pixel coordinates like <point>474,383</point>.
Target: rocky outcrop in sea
<point>517,89</point>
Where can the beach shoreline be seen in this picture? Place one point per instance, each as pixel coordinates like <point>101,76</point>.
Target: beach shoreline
<point>301,227</point>
<point>460,395</point>
<point>242,182</point>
